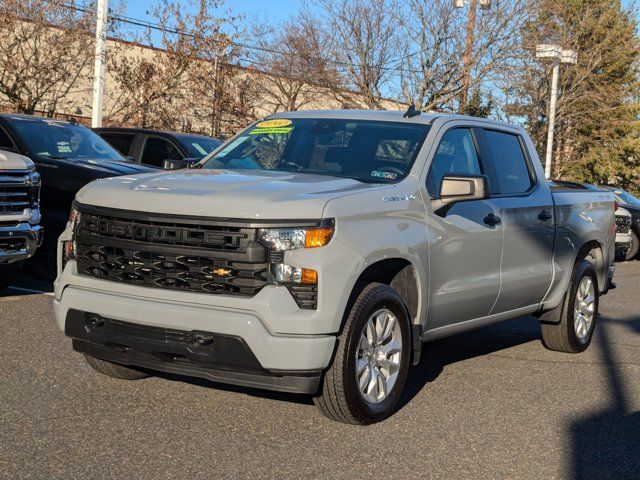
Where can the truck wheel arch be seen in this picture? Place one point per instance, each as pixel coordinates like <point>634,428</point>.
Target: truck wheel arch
<point>592,251</point>
<point>399,274</point>
<point>402,276</point>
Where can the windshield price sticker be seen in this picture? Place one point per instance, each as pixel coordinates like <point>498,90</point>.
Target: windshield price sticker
<point>282,122</point>
<point>265,131</point>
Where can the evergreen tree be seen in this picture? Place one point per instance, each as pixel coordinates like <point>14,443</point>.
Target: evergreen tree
<point>597,136</point>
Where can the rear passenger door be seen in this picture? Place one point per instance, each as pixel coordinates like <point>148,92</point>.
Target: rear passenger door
<point>526,210</point>
<point>465,241</point>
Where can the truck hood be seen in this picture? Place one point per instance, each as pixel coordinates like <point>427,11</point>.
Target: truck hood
<point>13,161</point>
<point>246,194</point>
<point>111,167</point>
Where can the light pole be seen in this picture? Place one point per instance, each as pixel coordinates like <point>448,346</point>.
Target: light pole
<point>468,46</point>
<point>556,55</point>
<point>98,66</point>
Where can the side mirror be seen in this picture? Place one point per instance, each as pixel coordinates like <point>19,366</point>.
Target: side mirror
<point>178,164</point>
<point>460,188</point>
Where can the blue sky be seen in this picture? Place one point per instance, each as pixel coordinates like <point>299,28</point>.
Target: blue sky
<point>275,10</point>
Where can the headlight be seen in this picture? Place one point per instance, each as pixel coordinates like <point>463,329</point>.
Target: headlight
<point>69,246</point>
<point>74,219</point>
<point>34,188</point>
<point>279,239</point>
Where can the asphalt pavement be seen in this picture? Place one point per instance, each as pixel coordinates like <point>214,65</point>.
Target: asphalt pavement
<point>486,404</point>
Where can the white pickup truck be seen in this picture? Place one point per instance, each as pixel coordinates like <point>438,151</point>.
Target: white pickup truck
<point>315,252</point>
<point>20,231</point>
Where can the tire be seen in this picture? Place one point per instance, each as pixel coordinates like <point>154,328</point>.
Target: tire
<point>340,398</point>
<point>115,370</point>
<point>635,246</point>
<point>566,336</point>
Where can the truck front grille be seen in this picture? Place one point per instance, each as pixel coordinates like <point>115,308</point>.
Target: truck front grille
<point>623,224</point>
<point>15,191</point>
<point>188,255</point>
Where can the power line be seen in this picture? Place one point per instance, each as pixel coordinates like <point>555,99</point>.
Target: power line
<point>157,27</point>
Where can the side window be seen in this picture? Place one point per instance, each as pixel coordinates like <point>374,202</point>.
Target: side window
<point>120,141</point>
<point>506,166</point>
<point>157,150</point>
<point>456,155</point>
<point>5,141</point>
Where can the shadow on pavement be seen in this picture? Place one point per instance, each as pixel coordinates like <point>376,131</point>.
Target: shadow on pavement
<point>436,355</point>
<point>607,445</point>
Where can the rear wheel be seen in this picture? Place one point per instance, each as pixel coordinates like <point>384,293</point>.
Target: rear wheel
<point>366,379</point>
<point>114,370</point>
<point>635,246</point>
<point>579,313</point>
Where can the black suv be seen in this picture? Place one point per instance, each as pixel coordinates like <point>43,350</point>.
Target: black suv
<point>153,147</point>
<point>67,157</point>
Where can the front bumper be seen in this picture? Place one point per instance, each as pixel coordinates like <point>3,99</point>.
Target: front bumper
<point>221,358</point>
<point>19,241</point>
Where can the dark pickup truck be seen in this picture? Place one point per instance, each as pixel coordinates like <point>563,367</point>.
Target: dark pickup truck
<point>154,147</point>
<point>67,156</point>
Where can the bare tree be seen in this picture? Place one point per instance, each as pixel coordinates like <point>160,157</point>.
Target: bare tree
<point>364,43</point>
<point>432,73</point>
<point>296,65</point>
<point>45,49</point>
<point>159,86</point>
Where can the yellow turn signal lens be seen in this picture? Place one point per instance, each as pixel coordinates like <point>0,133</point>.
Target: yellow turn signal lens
<point>309,277</point>
<point>318,237</point>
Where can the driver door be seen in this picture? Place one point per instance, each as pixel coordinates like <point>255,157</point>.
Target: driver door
<point>465,239</point>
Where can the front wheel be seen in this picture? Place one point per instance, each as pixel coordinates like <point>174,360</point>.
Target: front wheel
<point>366,379</point>
<point>579,313</point>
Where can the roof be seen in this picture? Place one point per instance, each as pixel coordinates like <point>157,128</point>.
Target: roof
<point>384,115</point>
<point>152,131</point>
<point>24,116</point>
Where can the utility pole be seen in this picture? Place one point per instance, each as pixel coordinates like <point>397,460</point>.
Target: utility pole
<point>556,55</point>
<point>98,67</point>
<point>467,61</point>
<point>466,79</point>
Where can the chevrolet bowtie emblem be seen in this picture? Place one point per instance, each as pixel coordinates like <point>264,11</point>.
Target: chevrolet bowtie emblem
<point>221,272</point>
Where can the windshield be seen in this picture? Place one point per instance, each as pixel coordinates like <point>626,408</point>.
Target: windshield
<point>55,139</point>
<point>198,147</point>
<point>368,151</point>
<point>627,198</point>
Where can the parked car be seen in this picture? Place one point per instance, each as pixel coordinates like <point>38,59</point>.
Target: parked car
<point>20,231</point>
<point>627,225</point>
<point>632,205</point>
<point>154,147</point>
<point>623,234</point>
<point>67,156</point>
<point>315,252</point>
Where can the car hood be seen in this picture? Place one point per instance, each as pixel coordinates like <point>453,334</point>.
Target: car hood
<point>13,161</point>
<point>111,167</point>
<point>246,194</point>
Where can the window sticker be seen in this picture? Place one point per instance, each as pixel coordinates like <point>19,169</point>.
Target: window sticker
<point>282,122</point>
<point>386,175</point>
<point>267,131</point>
<point>200,150</point>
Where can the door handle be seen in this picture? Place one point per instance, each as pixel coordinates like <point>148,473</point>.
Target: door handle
<point>545,216</point>
<point>492,220</point>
